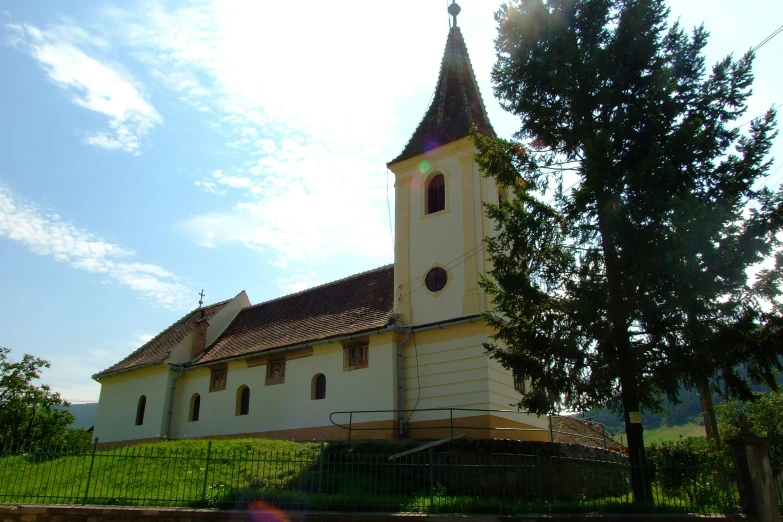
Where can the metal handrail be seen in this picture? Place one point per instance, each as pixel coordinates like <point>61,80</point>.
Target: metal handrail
<point>451,427</point>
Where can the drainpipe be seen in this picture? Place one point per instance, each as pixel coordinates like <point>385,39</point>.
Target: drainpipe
<point>181,370</point>
<point>400,399</point>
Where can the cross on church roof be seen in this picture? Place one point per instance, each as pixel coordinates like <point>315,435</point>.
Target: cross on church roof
<point>454,10</point>
<point>201,301</point>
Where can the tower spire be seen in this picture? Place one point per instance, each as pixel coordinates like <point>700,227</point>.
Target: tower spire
<point>456,106</point>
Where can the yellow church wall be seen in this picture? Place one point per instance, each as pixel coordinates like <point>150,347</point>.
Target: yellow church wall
<point>288,407</point>
<point>423,241</point>
<point>454,371</point>
<point>116,416</point>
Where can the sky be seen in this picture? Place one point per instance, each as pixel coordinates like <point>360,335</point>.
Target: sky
<point>149,150</point>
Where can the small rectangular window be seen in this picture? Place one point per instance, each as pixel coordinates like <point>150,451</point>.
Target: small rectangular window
<point>275,372</point>
<point>519,382</point>
<point>217,381</point>
<point>355,356</point>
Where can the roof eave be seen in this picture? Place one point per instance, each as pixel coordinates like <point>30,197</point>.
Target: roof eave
<point>98,376</point>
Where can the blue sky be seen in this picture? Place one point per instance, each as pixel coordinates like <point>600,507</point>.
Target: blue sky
<point>152,149</point>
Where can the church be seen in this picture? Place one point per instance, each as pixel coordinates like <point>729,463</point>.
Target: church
<point>394,352</point>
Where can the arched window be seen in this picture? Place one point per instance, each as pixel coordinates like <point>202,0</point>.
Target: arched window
<point>140,410</point>
<point>195,407</point>
<point>243,400</point>
<point>436,194</point>
<point>502,195</point>
<point>318,389</point>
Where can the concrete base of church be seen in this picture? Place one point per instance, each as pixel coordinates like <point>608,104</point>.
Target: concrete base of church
<point>474,427</point>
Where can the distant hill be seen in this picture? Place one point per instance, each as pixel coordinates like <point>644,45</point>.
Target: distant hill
<point>84,413</point>
<point>686,414</point>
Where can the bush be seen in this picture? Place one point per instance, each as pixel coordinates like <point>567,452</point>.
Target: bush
<point>765,414</point>
<point>686,467</point>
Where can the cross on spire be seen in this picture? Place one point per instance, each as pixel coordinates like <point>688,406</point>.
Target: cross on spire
<point>201,301</point>
<point>454,10</point>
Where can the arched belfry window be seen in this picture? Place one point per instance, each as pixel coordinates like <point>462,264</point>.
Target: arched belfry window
<point>436,194</point>
<point>318,391</point>
<point>140,410</point>
<point>243,400</point>
<point>195,407</point>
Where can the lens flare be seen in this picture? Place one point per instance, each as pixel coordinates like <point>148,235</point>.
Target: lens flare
<point>424,166</point>
<point>262,512</point>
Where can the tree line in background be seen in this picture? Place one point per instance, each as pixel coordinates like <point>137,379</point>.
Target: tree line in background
<point>31,414</point>
<point>620,268</point>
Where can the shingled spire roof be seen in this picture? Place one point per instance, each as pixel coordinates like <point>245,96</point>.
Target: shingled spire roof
<point>456,106</point>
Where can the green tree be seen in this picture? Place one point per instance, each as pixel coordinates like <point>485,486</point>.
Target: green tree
<point>30,414</point>
<point>765,414</point>
<point>633,281</point>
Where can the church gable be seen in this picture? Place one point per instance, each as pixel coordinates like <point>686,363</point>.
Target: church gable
<point>358,304</point>
<point>159,348</point>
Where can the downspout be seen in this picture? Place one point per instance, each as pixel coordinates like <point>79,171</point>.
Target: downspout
<point>171,397</point>
<point>400,399</point>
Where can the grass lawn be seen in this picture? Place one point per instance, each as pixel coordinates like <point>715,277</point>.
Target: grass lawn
<point>165,473</point>
<point>667,433</point>
<point>236,473</point>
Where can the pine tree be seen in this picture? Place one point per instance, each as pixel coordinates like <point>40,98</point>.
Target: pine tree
<point>632,281</point>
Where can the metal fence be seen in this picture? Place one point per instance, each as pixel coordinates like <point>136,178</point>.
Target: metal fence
<point>334,478</point>
<point>456,420</point>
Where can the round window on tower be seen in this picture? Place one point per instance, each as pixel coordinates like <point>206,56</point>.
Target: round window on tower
<point>436,279</point>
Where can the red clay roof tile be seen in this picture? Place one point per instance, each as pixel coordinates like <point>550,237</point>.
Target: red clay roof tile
<point>159,348</point>
<point>360,303</point>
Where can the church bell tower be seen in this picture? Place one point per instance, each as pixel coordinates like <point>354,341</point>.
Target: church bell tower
<point>439,216</point>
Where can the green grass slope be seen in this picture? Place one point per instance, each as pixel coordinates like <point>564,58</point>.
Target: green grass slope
<point>669,433</point>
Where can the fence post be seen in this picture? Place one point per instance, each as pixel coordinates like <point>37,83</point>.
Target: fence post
<point>206,472</point>
<point>350,427</point>
<point>451,422</point>
<point>540,477</point>
<point>432,477</point>
<point>755,479</point>
<point>551,433</point>
<point>321,469</point>
<point>89,473</point>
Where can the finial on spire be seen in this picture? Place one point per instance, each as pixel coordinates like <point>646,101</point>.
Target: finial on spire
<point>201,301</point>
<point>454,10</point>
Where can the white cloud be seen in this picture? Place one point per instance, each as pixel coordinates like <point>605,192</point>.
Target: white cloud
<point>311,114</point>
<point>93,84</point>
<point>47,234</point>
<point>299,282</point>
<point>140,339</point>
<point>71,375</point>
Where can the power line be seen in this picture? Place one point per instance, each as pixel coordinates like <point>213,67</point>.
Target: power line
<point>759,116</point>
<point>767,39</point>
<point>388,208</point>
<point>447,264</point>
<point>477,250</point>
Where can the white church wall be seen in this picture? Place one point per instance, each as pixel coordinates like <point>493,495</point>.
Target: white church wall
<point>288,406</point>
<point>115,419</point>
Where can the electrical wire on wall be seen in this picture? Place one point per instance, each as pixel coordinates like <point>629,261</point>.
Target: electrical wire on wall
<point>418,376</point>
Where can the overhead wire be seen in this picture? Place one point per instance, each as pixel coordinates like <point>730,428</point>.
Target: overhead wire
<point>766,40</point>
<point>388,208</point>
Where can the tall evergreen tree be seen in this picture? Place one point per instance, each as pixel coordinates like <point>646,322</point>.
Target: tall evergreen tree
<point>633,280</point>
